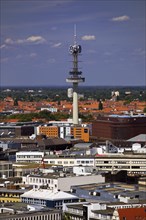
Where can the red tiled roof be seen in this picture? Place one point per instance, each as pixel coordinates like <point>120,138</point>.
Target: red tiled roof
<point>132,213</point>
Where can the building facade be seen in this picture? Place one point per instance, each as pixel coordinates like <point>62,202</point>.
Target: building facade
<point>48,198</point>
<point>62,183</point>
<point>16,131</point>
<point>78,132</point>
<point>10,195</point>
<point>132,163</point>
<point>29,156</point>
<point>9,214</point>
<point>118,127</point>
<point>6,169</point>
<point>81,133</point>
<point>49,131</point>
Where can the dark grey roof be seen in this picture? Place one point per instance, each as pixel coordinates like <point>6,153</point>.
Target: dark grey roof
<point>52,141</point>
<point>108,211</point>
<point>18,140</point>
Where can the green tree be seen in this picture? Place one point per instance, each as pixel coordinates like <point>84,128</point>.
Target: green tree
<point>15,102</point>
<point>100,105</point>
<point>45,114</point>
<point>66,216</point>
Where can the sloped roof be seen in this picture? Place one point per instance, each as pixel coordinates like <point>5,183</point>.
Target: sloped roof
<point>138,138</point>
<point>132,213</point>
<point>83,145</point>
<point>48,194</point>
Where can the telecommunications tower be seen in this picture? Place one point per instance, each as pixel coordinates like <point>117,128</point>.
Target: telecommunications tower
<point>75,76</point>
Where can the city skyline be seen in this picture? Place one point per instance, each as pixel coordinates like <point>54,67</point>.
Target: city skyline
<point>36,35</point>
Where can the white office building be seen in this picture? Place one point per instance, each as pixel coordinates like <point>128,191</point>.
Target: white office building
<point>29,156</point>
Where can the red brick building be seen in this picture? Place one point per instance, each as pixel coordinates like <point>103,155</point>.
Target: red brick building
<point>121,127</point>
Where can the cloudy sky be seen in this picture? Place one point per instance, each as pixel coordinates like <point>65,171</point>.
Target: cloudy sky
<point>36,35</point>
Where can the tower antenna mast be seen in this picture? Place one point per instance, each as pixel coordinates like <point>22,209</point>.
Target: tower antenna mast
<point>76,76</point>
<point>75,35</point>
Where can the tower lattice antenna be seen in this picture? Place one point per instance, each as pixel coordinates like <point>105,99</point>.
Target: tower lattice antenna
<point>75,35</point>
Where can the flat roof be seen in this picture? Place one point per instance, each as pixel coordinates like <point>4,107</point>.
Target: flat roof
<point>127,116</point>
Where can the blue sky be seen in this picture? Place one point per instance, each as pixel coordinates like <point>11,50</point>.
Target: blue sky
<point>36,35</point>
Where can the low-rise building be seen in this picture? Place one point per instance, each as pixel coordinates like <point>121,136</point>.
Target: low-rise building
<point>130,213</point>
<point>132,163</point>
<point>60,182</point>
<point>62,129</point>
<point>107,211</point>
<point>29,156</point>
<point>22,211</point>
<point>111,192</point>
<point>10,195</point>
<point>48,198</point>
<point>6,169</point>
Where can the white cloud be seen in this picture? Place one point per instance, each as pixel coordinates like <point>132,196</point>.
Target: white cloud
<point>30,40</point>
<point>9,41</point>
<point>20,41</point>
<point>88,37</point>
<point>57,45</point>
<point>2,46</point>
<point>121,18</point>
<point>36,39</point>
<point>32,55</point>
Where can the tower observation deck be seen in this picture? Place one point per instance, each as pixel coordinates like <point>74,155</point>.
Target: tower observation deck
<point>75,76</point>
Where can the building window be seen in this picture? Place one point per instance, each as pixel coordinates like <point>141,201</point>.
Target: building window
<point>85,130</point>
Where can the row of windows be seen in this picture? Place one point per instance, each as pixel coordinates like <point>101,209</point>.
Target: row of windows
<point>40,217</point>
<point>29,156</point>
<point>49,131</point>
<point>34,201</point>
<point>37,180</point>
<point>71,162</point>
<point>59,162</point>
<point>119,162</point>
<point>75,211</point>
<point>3,194</point>
<point>84,161</point>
